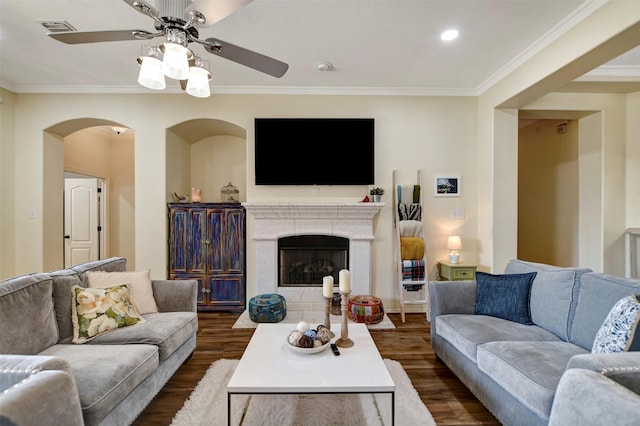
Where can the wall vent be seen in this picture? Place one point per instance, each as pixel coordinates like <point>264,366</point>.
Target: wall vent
<point>57,26</point>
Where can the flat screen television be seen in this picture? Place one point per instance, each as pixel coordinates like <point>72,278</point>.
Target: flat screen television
<point>314,151</point>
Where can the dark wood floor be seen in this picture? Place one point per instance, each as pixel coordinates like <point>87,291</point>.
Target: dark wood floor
<point>447,398</point>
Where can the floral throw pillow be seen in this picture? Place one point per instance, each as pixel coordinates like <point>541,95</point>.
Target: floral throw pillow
<point>620,331</point>
<point>99,310</point>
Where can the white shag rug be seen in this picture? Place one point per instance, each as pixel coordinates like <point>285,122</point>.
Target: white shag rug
<point>207,405</point>
<point>312,317</point>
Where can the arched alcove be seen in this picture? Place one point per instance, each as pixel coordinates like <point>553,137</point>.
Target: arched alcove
<point>207,154</point>
<point>88,146</point>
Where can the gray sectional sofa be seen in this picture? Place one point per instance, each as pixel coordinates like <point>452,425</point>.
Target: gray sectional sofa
<point>47,379</point>
<point>543,373</point>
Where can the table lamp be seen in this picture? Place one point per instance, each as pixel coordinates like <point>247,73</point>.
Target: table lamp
<point>454,244</point>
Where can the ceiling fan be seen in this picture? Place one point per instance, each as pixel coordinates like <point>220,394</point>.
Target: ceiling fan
<point>182,31</point>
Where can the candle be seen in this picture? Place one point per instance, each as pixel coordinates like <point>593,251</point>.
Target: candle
<point>327,286</point>
<point>344,284</point>
<point>196,195</point>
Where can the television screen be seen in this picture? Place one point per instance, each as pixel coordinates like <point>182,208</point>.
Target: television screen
<point>314,151</point>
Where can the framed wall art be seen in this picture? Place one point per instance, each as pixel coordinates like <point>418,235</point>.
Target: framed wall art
<point>447,186</point>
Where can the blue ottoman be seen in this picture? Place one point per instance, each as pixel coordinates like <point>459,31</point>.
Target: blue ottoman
<point>267,308</point>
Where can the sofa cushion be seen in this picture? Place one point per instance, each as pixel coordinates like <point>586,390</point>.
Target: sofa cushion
<point>63,281</point>
<point>504,296</point>
<point>99,310</point>
<point>554,294</point>
<point>620,331</point>
<point>166,330</point>
<point>139,284</point>
<point>466,332</point>
<point>106,374</point>
<point>111,264</point>
<point>598,293</point>
<point>26,314</point>
<point>530,371</point>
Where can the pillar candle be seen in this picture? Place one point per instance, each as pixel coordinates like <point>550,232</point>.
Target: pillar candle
<point>344,284</point>
<point>327,286</point>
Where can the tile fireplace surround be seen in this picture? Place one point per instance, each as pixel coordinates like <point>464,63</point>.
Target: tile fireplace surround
<point>350,220</point>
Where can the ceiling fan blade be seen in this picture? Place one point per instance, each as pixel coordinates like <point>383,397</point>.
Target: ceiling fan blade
<point>146,9</point>
<point>77,37</point>
<point>216,10</point>
<point>246,57</point>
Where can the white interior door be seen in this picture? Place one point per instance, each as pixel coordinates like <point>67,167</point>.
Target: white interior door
<point>81,221</point>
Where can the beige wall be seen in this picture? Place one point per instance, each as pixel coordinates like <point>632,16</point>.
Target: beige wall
<point>548,193</point>
<point>633,161</point>
<point>7,183</point>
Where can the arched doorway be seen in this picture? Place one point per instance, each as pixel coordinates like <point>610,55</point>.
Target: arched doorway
<point>89,147</point>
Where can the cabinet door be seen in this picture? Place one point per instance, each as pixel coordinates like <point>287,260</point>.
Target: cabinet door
<point>235,241</point>
<point>178,253</point>
<point>227,291</point>
<point>197,241</point>
<point>217,252</point>
<point>204,290</point>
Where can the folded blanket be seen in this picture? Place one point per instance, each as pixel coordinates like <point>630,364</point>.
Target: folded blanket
<point>408,194</point>
<point>412,270</point>
<point>410,228</point>
<point>409,211</point>
<point>411,248</point>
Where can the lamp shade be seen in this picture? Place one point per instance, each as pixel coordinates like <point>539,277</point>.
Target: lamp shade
<point>175,63</point>
<point>151,75</point>
<point>454,242</point>
<point>198,84</point>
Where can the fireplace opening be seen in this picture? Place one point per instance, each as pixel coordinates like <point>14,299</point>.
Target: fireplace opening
<point>303,260</point>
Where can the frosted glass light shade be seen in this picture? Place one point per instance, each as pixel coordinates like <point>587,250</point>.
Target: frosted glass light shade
<point>151,75</point>
<point>198,84</point>
<point>175,63</point>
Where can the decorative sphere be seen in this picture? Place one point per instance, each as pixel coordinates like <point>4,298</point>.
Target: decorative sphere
<point>293,337</point>
<point>317,343</point>
<point>305,341</point>
<point>302,326</point>
<point>311,333</point>
<point>324,334</point>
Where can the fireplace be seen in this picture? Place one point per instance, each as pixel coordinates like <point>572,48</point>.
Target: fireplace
<point>303,260</point>
<point>351,221</point>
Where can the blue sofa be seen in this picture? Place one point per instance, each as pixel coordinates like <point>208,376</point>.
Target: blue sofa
<point>47,379</point>
<point>544,373</point>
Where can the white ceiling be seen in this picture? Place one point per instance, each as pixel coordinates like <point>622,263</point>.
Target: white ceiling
<point>376,46</point>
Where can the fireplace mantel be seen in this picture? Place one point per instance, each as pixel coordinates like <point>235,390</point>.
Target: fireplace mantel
<point>314,210</point>
<point>351,220</point>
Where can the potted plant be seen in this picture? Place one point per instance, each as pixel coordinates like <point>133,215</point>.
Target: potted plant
<point>376,192</point>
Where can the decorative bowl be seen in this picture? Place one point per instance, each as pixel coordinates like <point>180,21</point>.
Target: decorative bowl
<point>313,350</point>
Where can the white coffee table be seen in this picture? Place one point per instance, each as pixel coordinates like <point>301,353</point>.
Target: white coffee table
<point>269,366</point>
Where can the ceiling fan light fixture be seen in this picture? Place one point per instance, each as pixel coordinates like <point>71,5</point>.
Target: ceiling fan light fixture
<point>176,61</point>
<point>151,75</point>
<point>199,76</point>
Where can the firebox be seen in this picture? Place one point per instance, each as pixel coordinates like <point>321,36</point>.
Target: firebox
<point>303,260</point>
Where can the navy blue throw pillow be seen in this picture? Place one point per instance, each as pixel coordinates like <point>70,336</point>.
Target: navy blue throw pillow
<point>504,296</point>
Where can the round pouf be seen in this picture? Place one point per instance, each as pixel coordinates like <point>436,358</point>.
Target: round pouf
<point>267,308</point>
<point>366,309</point>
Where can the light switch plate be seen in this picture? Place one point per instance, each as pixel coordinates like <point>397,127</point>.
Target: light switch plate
<point>457,214</point>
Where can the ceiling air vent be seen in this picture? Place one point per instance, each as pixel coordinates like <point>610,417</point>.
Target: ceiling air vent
<point>57,26</point>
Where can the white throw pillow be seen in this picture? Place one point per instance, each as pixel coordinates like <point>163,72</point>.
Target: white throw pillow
<point>139,283</point>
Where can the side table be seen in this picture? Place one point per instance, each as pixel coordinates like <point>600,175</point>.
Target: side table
<point>456,271</point>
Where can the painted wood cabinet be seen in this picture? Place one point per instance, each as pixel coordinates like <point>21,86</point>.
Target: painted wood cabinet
<point>207,243</point>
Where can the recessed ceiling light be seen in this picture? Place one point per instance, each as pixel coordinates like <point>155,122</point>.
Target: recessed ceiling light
<point>449,35</point>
